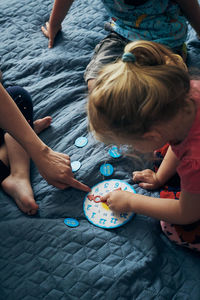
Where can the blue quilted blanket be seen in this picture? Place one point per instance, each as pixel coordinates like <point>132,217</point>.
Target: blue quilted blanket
<point>40,257</point>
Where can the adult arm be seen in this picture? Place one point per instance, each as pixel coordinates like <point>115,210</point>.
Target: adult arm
<point>53,166</point>
<point>58,13</point>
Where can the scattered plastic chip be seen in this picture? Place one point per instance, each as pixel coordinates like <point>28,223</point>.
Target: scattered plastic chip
<point>106,169</point>
<point>81,141</point>
<point>75,165</point>
<point>71,222</point>
<point>114,152</point>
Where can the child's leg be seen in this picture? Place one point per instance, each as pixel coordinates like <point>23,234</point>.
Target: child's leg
<point>108,50</point>
<point>183,235</point>
<point>17,184</point>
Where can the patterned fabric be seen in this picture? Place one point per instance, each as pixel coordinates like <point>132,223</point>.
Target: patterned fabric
<point>183,235</point>
<point>40,257</point>
<point>159,21</point>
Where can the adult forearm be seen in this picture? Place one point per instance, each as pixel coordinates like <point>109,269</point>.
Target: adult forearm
<point>59,11</point>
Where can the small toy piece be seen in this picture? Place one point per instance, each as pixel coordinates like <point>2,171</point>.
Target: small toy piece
<point>71,222</point>
<point>106,169</point>
<point>114,152</point>
<point>75,165</point>
<point>81,141</point>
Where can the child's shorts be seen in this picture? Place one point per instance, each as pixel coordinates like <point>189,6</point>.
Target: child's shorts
<point>110,49</point>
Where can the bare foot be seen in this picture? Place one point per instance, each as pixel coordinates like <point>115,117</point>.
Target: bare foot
<point>41,124</point>
<point>21,191</point>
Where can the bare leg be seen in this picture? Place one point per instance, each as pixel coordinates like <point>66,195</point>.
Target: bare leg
<point>4,155</point>
<point>17,184</point>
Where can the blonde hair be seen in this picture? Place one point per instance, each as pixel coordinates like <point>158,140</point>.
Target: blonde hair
<point>130,97</point>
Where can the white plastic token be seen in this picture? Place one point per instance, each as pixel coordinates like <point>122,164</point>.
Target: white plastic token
<point>81,141</point>
<point>114,152</point>
<point>75,165</point>
<point>98,213</point>
<point>106,169</point>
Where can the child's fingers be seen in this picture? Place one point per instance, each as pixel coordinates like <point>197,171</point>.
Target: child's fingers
<point>138,176</point>
<point>45,31</point>
<point>146,175</point>
<point>147,186</point>
<point>51,41</point>
<point>104,198</point>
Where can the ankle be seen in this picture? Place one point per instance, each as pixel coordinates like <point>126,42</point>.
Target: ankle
<point>20,174</point>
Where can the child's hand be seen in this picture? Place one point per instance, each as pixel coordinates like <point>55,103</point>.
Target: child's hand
<point>56,169</point>
<point>147,179</point>
<point>119,201</point>
<point>50,32</point>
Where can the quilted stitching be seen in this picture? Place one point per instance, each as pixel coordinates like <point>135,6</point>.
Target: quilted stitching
<point>41,258</point>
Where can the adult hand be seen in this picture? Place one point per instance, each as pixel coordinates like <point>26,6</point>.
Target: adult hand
<point>147,178</point>
<point>119,201</point>
<point>50,32</point>
<point>56,169</point>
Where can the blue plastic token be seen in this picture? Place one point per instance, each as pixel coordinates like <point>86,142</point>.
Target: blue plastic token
<point>71,222</point>
<point>114,152</point>
<point>106,169</point>
<point>81,142</point>
<point>75,165</point>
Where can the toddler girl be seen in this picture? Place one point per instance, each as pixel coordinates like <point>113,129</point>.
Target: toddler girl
<point>146,99</point>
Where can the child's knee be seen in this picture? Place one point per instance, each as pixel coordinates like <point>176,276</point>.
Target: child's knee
<point>19,95</point>
<point>23,100</point>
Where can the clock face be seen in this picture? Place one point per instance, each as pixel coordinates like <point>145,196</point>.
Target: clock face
<point>98,213</point>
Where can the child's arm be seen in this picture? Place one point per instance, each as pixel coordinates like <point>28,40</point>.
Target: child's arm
<point>54,167</point>
<point>186,210</point>
<point>151,180</point>
<point>191,10</point>
<point>58,13</point>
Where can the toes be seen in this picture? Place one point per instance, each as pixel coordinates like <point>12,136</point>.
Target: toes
<point>32,212</point>
<point>45,32</point>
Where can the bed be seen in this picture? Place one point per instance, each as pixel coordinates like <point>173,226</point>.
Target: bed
<point>41,257</point>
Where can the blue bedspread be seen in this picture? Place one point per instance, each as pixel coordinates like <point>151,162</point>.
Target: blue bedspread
<point>40,257</point>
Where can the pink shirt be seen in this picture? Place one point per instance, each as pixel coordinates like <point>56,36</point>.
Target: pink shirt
<point>188,152</point>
